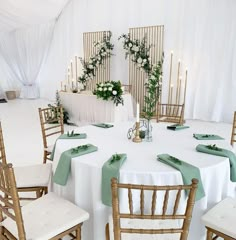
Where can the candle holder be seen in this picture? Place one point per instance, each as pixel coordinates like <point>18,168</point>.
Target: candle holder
<point>137,138</point>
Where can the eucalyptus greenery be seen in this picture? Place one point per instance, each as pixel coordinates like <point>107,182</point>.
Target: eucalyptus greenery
<point>104,51</point>
<point>139,52</point>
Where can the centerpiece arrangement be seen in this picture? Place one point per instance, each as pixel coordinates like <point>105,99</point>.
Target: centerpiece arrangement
<point>139,52</point>
<point>110,90</point>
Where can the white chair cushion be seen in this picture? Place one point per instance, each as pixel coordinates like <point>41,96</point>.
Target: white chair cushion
<point>46,217</point>
<point>222,217</point>
<point>33,176</point>
<point>146,224</point>
<point>49,148</point>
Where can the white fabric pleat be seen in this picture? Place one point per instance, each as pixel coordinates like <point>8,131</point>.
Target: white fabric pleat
<point>24,51</point>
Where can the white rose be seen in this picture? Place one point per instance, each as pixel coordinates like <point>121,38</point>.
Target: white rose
<point>133,48</point>
<point>110,88</point>
<point>90,66</point>
<point>153,77</point>
<point>136,49</point>
<point>130,45</point>
<point>140,60</point>
<point>104,89</point>
<point>100,89</point>
<point>90,61</point>
<point>144,60</point>
<point>123,89</point>
<point>139,65</point>
<point>101,84</point>
<point>86,75</point>
<point>114,92</point>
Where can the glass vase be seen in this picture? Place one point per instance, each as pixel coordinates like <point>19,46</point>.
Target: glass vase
<point>148,135</point>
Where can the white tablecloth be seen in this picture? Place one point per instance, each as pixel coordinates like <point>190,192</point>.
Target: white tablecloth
<point>84,107</point>
<point>84,184</point>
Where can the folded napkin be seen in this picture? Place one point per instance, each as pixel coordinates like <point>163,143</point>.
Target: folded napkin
<point>177,127</point>
<point>213,149</point>
<point>71,135</point>
<point>103,125</point>
<point>207,137</point>
<point>63,167</point>
<point>187,170</point>
<point>110,169</point>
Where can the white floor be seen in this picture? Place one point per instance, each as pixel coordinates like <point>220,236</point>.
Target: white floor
<point>22,132</point>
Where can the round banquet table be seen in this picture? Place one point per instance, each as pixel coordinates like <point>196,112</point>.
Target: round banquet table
<point>141,167</point>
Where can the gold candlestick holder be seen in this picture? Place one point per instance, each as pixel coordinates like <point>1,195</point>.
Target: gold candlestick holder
<point>137,138</point>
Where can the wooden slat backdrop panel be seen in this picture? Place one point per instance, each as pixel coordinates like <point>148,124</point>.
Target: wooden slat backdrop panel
<point>155,37</point>
<point>103,71</point>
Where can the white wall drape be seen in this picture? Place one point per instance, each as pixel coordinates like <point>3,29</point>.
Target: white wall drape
<point>201,33</point>
<point>24,51</point>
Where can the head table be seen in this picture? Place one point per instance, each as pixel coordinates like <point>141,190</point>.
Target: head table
<point>141,167</point>
<point>83,107</point>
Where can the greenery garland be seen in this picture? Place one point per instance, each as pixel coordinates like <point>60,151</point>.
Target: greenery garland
<point>140,53</point>
<point>105,48</point>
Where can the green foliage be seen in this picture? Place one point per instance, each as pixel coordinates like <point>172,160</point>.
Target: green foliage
<point>104,51</point>
<point>110,90</point>
<point>140,54</point>
<point>54,109</point>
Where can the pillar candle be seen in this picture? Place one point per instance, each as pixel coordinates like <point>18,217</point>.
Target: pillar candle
<point>137,120</point>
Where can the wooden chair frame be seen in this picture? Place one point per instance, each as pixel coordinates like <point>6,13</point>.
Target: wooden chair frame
<point>233,139</point>
<point>127,87</point>
<point>211,232</point>
<point>186,217</point>
<point>11,208</point>
<point>39,190</point>
<point>173,113</point>
<point>54,116</point>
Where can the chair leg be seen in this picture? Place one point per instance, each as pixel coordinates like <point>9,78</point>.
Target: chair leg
<point>78,232</point>
<point>209,235</point>
<point>45,157</point>
<point>107,232</point>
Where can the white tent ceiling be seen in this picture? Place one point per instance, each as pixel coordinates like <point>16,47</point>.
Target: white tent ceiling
<point>16,14</point>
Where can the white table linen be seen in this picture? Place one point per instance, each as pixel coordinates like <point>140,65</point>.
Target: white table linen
<point>85,107</point>
<point>141,167</point>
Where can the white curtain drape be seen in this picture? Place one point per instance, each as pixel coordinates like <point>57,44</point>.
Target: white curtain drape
<point>201,33</point>
<point>24,51</point>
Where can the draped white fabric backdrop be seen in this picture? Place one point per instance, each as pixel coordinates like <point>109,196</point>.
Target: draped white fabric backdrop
<point>201,33</point>
<point>24,52</point>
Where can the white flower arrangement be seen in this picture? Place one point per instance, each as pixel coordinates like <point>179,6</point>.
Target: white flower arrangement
<point>110,91</point>
<point>104,48</point>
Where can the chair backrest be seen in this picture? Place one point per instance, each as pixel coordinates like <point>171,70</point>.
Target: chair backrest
<point>156,211</point>
<point>233,139</point>
<point>173,113</point>
<point>2,148</point>
<point>9,199</point>
<point>127,88</point>
<point>51,120</point>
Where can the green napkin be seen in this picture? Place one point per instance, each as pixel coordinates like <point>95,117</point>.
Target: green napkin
<point>110,169</point>
<point>187,170</point>
<point>207,137</point>
<point>103,125</point>
<point>212,149</point>
<point>176,127</point>
<point>63,167</point>
<point>71,135</point>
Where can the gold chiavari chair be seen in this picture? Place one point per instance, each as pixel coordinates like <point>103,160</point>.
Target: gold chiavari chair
<point>49,217</point>
<point>33,178</point>
<point>153,221</point>
<point>220,220</point>
<point>233,139</point>
<point>172,113</point>
<point>51,121</point>
<point>127,88</point>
